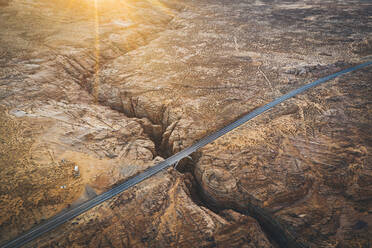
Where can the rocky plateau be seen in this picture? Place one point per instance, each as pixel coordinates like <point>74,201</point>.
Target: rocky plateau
<point>93,92</point>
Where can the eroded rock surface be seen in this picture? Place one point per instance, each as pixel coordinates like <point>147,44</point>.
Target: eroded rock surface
<point>112,86</point>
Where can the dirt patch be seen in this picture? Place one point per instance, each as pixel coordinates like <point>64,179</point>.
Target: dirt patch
<point>40,191</point>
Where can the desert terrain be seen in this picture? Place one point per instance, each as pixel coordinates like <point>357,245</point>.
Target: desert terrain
<point>93,92</point>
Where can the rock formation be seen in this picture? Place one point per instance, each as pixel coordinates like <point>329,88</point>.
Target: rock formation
<point>114,86</point>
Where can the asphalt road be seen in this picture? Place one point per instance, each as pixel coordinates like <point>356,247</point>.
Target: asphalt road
<point>69,214</point>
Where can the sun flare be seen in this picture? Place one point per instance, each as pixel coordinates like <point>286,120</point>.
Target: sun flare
<point>103,12</point>
<point>96,52</point>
